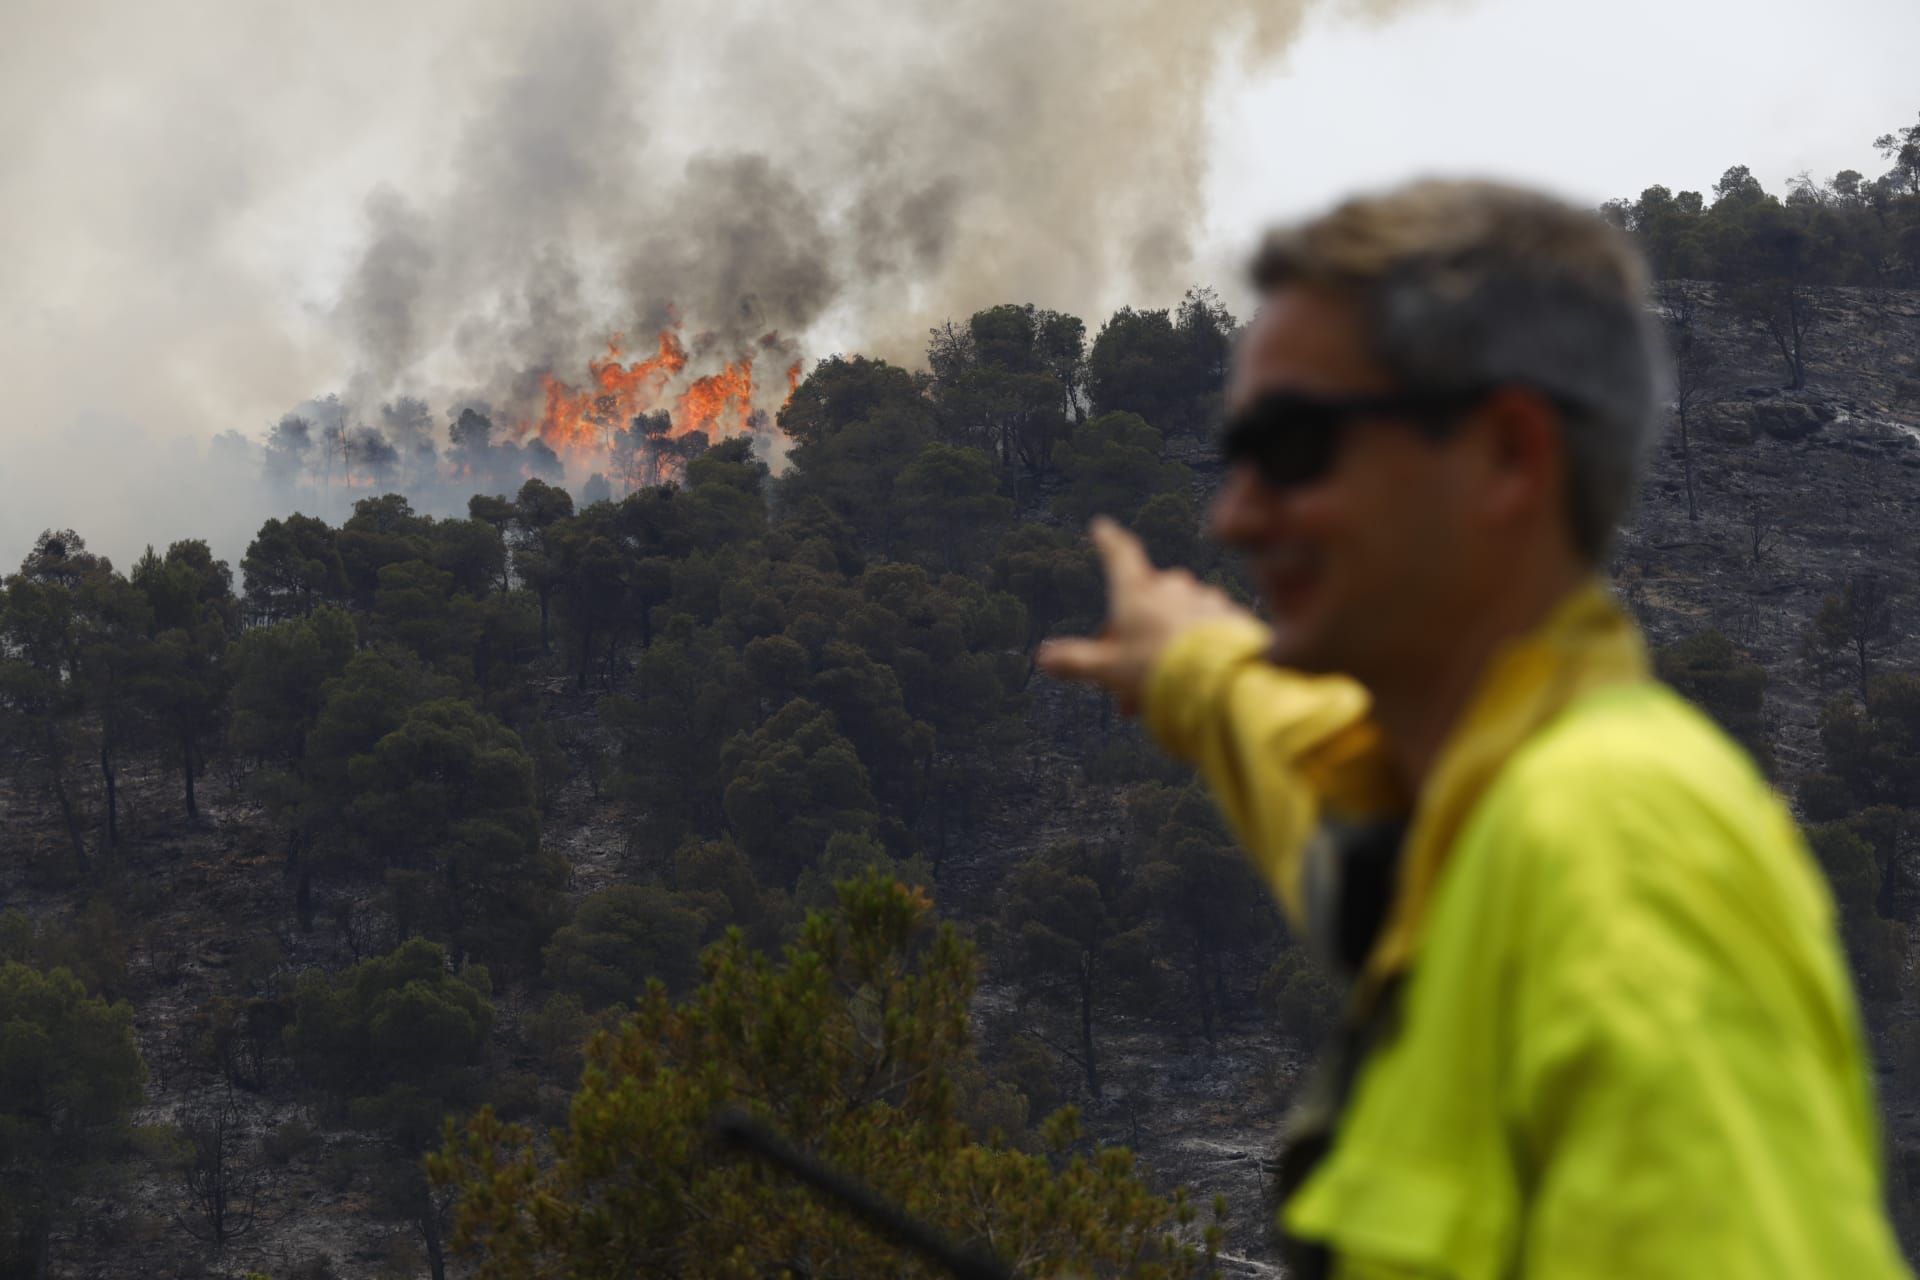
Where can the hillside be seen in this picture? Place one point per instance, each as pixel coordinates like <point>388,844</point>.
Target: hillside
<point>900,588</point>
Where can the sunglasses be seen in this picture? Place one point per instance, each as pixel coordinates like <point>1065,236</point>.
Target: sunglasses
<point>1294,439</point>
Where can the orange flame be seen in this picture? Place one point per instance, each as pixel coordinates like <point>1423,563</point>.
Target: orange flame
<point>583,421</point>
<point>717,404</point>
<point>589,427</point>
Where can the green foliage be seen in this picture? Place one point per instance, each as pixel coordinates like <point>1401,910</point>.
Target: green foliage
<point>278,675</point>
<point>1073,931</point>
<point>1190,879</point>
<point>624,936</point>
<point>1053,576</point>
<point>842,391</point>
<point>1851,631</point>
<point>1725,683</point>
<point>1303,999</point>
<point>91,944</point>
<point>951,506</point>
<point>292,567</point>
<point>399,1037</point>
<point>1113,466</point>
<point>1770,252</point>
<point>852,857</point>
<point>288,1142</point>
<point>1852,871</point>
<point>1874,750</point>
<point>854,472</point>
<point>853,1045</point>
<point>448,794</point>
<point>69,1075</point>
<point>791,785</point>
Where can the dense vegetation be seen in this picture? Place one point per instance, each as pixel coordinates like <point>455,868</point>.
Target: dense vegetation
<point>763,688</point>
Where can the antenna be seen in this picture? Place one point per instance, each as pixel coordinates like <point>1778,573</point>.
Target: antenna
<point>736,1129</point>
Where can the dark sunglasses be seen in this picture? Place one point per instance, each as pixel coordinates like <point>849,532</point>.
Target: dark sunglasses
<point>1293,439</point>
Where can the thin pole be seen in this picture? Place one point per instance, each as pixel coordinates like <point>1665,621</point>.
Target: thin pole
<point>741,1131</point>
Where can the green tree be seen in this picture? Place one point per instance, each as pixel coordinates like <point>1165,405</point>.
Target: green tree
<point>278,674</point>
<point>69,1076</point>
<point>115,619</point>
<point>1877,946</point>
<point>1874,749</point>
<point>1165,367</point>
<point>853,469</point>
<point>1852,630</point>
<point>183,687</point>
<point>291,567</point>
<point>950,506</point>
<point>856,1044</point>
<point>537,510</point>
<point>627,934</point>
<point>445,801</point>
<point>1052,574</point>
<point>690,697</point>
<point>1727,684</point>
<point>1063,912</point>
<point>842,391</point>
<point>1190,878</point>
<point>1010,382</point>
<point>790,786</point>
<point>399,1039</point>
<point>1113,465</point>
<point>42,692</point>
<point>381,531</point>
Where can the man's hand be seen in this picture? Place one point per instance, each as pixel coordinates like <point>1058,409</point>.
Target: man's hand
<point>1146,609</point>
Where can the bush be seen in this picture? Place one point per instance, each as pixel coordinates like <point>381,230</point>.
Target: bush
<point>624,935</point>
<point>1724,683</point>
<point>317,1266</point>
<point>289,1141</point>
<point>559,1032</point>
<point>397,1039</point>
<point>1302,997</point>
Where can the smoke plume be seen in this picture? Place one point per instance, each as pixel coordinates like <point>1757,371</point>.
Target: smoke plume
<point>228,207</point>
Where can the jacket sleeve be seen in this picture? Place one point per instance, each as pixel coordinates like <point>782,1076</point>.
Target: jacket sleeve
<point>1276,747</point>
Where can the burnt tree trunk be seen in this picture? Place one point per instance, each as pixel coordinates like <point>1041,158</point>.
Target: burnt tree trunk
<point>1087,1058</point>
<point>111,783</point>
<point>67,815</point>
<point>186,769</point>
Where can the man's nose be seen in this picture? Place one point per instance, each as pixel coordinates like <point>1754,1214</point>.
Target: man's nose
<point>1242,513</point>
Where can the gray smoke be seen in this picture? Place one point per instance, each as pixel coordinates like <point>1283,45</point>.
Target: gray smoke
<point>237,206</point>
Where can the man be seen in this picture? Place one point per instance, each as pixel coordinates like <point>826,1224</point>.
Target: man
<point>1600,1024</point>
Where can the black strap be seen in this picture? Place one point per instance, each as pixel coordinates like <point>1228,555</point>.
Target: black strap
<point>1366,861</point>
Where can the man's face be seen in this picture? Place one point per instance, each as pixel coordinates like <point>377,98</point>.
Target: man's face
<point>1364,567</point>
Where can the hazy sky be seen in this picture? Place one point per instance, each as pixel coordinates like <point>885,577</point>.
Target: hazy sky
<point>189,188</point>
<point>1594,100</point>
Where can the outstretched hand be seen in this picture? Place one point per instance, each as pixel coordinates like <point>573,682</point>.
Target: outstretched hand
<point>1146,609</point>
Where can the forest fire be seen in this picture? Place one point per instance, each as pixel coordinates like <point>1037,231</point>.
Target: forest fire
<point>585,421</point>
<point>620,423</point>
<point>717,404</point>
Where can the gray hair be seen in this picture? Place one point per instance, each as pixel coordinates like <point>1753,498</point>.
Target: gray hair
<point>1469,285</point>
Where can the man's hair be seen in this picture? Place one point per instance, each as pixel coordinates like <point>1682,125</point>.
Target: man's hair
<point>1470,285</point>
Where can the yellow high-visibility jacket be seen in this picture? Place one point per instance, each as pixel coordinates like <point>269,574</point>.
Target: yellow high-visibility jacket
<point>1625,1044</point>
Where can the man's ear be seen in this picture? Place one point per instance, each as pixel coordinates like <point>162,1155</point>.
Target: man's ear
<point>1524,454</point>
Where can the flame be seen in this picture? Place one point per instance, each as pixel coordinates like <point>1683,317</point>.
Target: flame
<point>584,421</point>
<point>594,428</point>
<point>717,404</point>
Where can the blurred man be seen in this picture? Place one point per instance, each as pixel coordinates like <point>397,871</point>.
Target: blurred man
<point>1600,1024</point>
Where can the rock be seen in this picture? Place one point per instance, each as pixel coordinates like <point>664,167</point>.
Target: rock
<point>1791,419</point>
